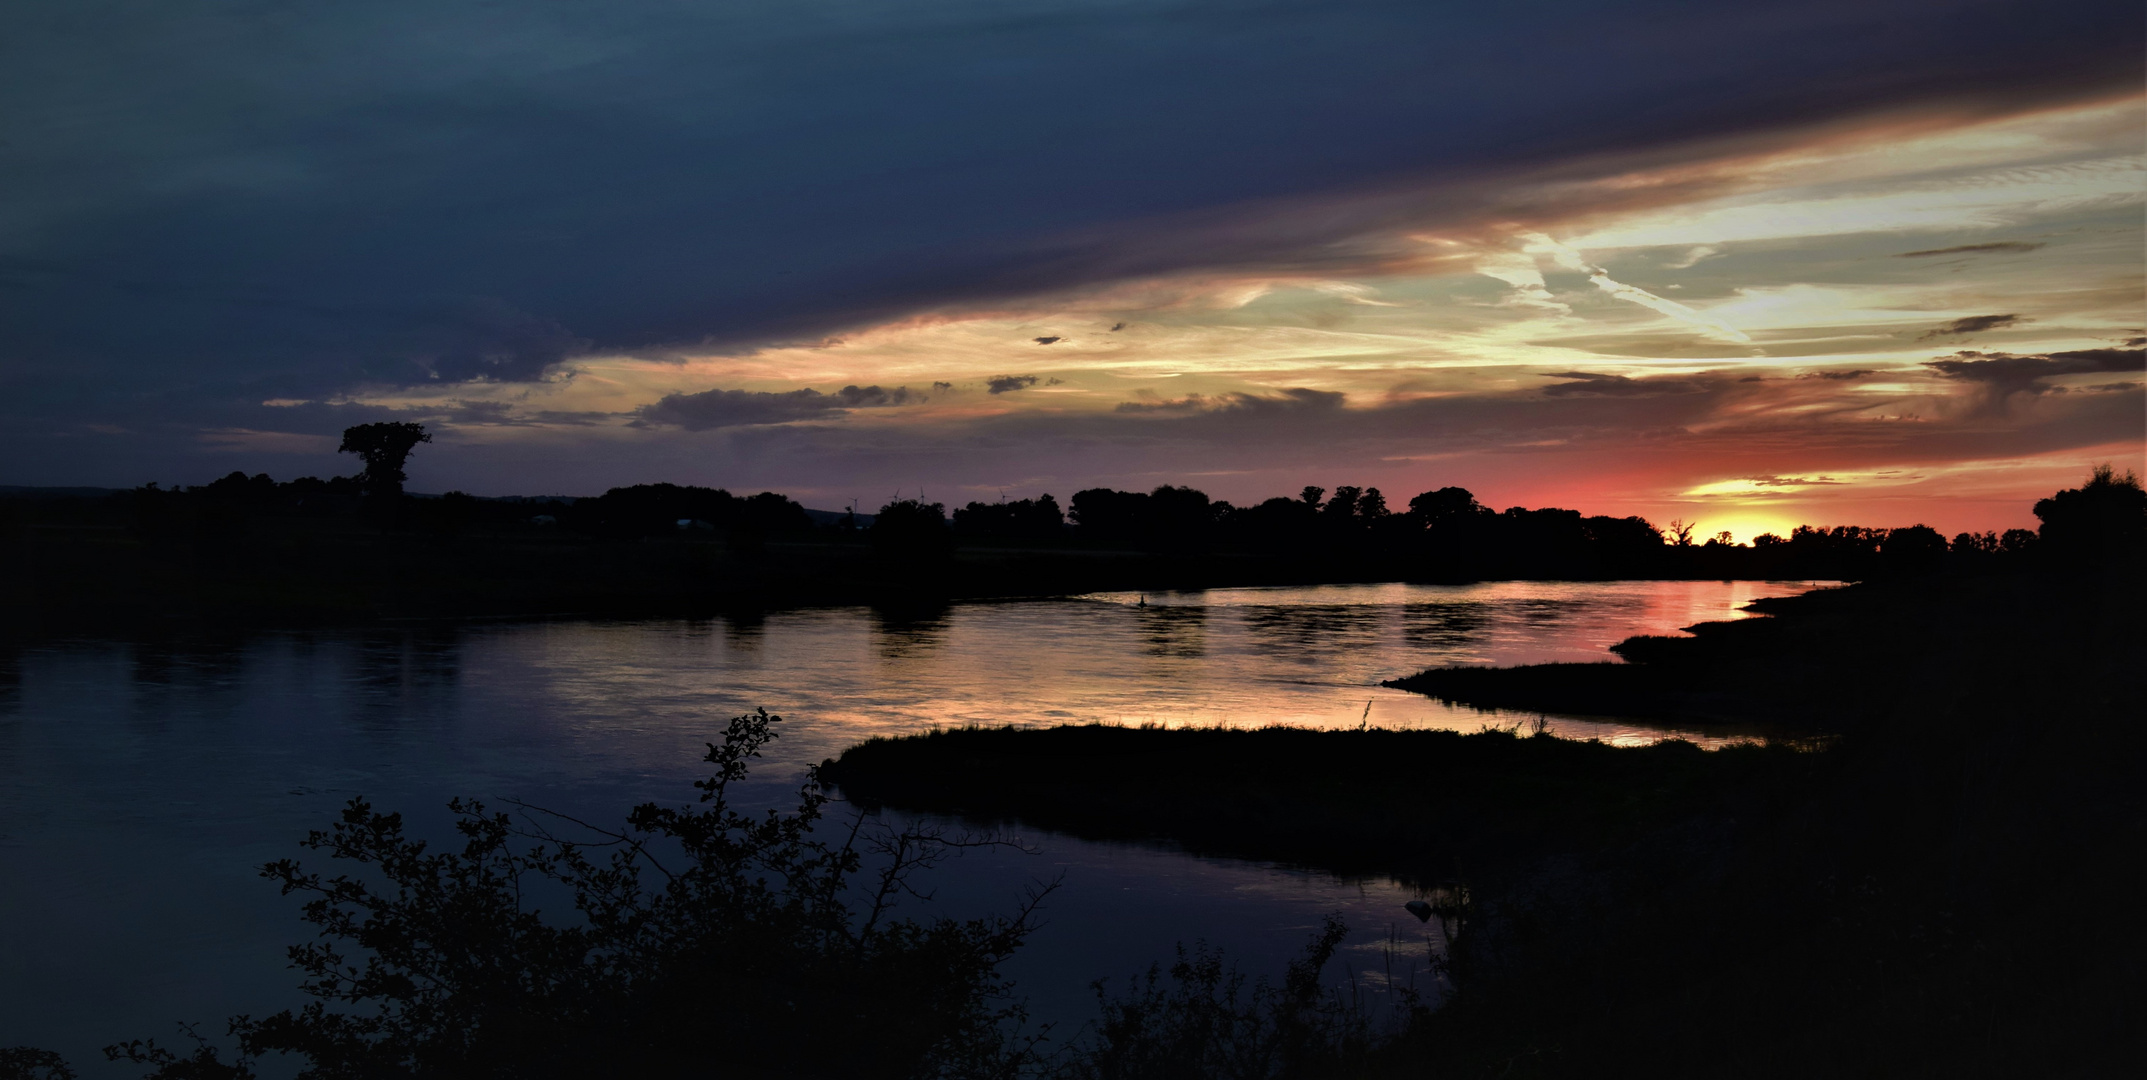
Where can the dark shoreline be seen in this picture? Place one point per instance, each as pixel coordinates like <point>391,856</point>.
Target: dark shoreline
<point>1419,806</point>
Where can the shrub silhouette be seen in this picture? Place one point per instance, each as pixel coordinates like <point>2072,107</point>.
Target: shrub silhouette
<point>696,935</point>
<point>1208,1020</point>
<point>30,1063</point>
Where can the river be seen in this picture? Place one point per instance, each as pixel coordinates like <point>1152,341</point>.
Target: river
<point>141,781</point>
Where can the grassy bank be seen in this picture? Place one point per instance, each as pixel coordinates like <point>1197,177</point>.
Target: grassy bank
<point>1415,804</point>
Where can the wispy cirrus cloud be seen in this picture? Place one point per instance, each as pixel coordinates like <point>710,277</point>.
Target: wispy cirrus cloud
<point>1571,259</point>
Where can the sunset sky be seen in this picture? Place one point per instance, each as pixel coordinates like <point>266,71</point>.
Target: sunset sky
<point>1754,265</point>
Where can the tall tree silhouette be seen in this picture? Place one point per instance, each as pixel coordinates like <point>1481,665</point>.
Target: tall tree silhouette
<point>384,448</point>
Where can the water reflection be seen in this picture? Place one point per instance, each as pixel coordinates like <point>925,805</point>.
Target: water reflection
<point>140,782</point>
<point>1445,629</point>
<point>392,668</point>
<point>194,662</point>
<point>1310,634</point>
<point>1177,632</point>
<point>909,631</point>
<point>744,633</point>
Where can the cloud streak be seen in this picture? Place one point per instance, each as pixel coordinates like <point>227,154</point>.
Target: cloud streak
<point>1999,247</point>
<point>743,408</point>
<point>1973,324</point>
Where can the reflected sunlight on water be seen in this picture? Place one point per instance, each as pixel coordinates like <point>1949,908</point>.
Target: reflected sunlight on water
<point>1234,657</point>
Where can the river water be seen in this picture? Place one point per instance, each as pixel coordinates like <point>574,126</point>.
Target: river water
<point>141,781</point>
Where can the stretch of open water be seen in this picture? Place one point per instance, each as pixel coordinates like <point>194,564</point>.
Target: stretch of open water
<point>142,781</point>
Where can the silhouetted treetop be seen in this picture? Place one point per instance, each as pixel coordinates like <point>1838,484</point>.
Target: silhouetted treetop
<point>2103,518</point>
<point>1032,519</point>
<point>625,513</point>
<point>385,448</point>
<point>911,529</point>
<point>1446,504</point>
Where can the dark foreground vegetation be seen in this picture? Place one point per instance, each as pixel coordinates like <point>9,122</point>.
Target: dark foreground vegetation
<point>1944,882</point>
<point>251,549</point>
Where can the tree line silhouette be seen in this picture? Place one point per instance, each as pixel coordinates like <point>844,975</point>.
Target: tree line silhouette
<point>262,541</point>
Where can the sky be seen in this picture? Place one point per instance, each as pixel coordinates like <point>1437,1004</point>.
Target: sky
<point>1815,261</point>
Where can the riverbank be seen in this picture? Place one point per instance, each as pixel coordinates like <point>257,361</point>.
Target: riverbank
<point>1417,805</point>
<point>1947,890</point>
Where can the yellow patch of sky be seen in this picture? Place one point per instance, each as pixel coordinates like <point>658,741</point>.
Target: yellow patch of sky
<point>1749,505</point>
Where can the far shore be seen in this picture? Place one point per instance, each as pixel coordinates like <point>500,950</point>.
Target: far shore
<point>300,574</point>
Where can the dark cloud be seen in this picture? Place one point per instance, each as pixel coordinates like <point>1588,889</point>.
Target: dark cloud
<point>1002,384</point>
<point>942,386</point>
<point>485,412</point>
<point>1973,324</point>
<point>739,408</point>
<point>1048,340</point>
<point>870,397</point>
<point>2004,373</point>
<point>1839,376</point>
<point>1588,382</point>
<point>487,340</point>
<point>1294,400</point>
<point>1116,327</point>
<point>2002,247</point>
<point>1191,403</point>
